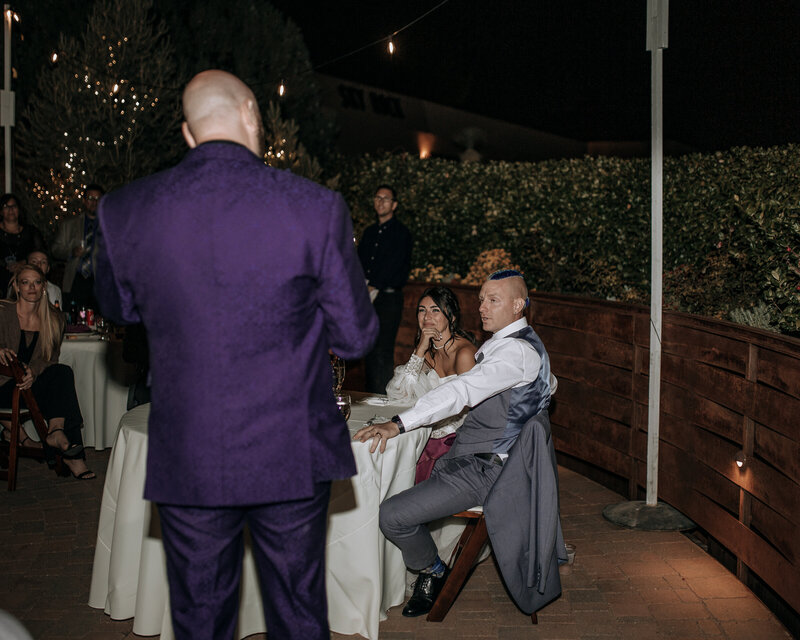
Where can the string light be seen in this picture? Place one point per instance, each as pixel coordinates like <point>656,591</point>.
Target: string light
<point>387,39</point>
<point>54,57</point>
<point>282,87</point>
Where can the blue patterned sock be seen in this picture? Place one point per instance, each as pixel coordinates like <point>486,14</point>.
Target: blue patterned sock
<point>437,568</point>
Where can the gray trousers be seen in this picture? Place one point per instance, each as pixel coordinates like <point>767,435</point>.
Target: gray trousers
<point>456,484</point>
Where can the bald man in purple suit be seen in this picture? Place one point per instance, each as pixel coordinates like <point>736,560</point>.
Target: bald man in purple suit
<point>244,277</point>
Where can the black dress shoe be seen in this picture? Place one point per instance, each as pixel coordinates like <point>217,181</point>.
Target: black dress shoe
<point>426,589</point>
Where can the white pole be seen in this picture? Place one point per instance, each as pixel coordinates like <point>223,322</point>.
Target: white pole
<point>656,43</point>
<point>7,99</point>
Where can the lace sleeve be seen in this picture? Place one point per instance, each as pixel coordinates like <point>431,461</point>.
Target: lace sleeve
<point>407,383</point>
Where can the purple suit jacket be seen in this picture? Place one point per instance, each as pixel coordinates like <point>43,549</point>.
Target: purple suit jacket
<point>244,277</point>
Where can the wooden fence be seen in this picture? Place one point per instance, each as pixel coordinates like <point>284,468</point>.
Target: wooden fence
<point>726,390</point>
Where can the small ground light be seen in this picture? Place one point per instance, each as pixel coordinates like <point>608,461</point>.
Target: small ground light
<point>741,460</point>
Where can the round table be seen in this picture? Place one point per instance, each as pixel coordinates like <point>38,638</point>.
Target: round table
<point>365,573</point>
<point>102,393</point>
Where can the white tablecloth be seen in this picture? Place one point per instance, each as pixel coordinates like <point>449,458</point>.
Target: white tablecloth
<point>365,573</point>
<point>102,399</point>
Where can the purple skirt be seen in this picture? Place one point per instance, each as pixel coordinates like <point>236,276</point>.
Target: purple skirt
<point>434,449</point>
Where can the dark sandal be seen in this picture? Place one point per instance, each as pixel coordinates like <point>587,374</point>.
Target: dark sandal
<point>21,443</point>
<point>71,452</point>
<point>86,475</point>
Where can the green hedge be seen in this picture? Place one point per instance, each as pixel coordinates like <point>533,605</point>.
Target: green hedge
<point>731,228</point>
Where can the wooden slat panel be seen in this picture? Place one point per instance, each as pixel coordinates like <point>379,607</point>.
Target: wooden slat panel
<point>719,351</point>
<point>771,487</point>
<point>783,453</point>
<point>783,534</point>
<point>595,374</point>
<point>589,346</point>
<point>718,419</point>
<point>777,410</point>
<point>676,402</point>
<point>758,337</point>
<point>595,427</point>
<point>700,411</point>
<point>641,331</point>
<point>680,476</point>
<point>596,453</point>
<point>598,322</point>
<point>682,473</point>
<point>592,399</point>
<point>780,371</point>
<point>726,388</point>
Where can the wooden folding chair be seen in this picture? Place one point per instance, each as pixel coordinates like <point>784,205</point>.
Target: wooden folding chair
<point>462,561</point>
<point>10,451</point>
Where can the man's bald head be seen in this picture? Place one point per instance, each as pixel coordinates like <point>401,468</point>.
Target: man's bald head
<point>219,106</point>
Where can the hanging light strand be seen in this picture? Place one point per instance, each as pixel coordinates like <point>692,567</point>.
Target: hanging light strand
<point>56,56</point>
<point>386,39</point>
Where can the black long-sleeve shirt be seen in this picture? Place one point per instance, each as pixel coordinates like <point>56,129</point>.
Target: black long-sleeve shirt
<point>385,254</point>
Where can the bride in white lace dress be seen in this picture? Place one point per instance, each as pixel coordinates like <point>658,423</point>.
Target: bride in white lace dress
<point>442,350</point>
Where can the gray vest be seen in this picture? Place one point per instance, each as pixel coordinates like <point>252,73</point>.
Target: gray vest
<point>494,424</point>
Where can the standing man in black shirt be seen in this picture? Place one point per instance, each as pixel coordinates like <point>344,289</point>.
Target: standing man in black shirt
<point>385,253</point>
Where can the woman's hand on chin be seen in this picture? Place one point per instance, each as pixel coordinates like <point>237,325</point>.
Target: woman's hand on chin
<point>428,335</point>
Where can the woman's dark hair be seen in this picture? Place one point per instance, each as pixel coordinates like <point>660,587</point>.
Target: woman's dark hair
<point>447,302</point>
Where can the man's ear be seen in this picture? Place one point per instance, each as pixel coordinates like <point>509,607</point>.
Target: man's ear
<point>187,135</point>
<point>519,305</point>
<point>250,114</point>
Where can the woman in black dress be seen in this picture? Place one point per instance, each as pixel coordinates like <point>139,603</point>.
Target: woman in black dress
<point>17,239</point>
<point>32,329</point>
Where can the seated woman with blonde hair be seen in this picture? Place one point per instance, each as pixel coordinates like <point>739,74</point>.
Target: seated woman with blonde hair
<point>442,350</point>
<point>31,329</point>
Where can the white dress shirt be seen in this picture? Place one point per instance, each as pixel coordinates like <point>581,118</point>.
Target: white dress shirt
<point>505,364</point>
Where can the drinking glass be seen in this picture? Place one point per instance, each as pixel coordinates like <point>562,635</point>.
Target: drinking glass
<point>343,403</point>
<point>338,371</point>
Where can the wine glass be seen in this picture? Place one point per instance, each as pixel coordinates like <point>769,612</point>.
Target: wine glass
<point>337,365</point>
<point>343,404</point>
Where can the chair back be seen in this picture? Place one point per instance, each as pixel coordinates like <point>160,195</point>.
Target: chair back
<point>16,416</point>
<point>14,369</point>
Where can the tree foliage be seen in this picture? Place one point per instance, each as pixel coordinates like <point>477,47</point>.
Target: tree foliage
<point>253,40</point>
<point>106,112</point>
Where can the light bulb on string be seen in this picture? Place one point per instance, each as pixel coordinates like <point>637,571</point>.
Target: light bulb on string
<point>54,57</point>
<point>281,89</point>
<point>391,47</point>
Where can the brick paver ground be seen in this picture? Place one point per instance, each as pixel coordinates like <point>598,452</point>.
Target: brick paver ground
<point>623,583</point>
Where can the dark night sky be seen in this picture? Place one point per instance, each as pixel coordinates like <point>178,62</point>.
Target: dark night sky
<point>579,67</point>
